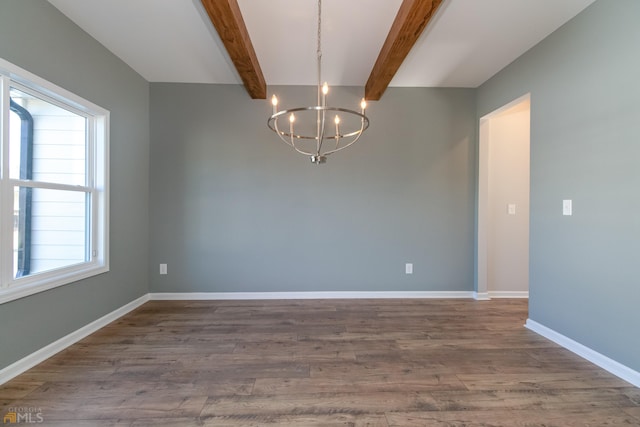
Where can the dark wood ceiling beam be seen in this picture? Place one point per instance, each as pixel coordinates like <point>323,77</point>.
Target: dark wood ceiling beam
<point>412,18</point>
<point>227,19</point>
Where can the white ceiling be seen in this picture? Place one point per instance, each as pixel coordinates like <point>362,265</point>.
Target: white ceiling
<point>466,43</point>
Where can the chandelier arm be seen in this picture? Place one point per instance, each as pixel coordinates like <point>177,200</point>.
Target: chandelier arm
<point>280,133</point>
<point>364,123</point>
<point>292,143</point>
<point>293,137</point>
<point>357,137</point>
<point>356,133</point>
<point>295,147</point>
<point>326,153</point>
<point>301,151</point>
<point>319,126</point>
<point>321,137</point>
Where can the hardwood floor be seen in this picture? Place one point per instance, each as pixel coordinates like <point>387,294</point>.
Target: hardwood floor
<point>322,363</point>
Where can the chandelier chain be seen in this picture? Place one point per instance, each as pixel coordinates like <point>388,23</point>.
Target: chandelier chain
<point>319,48</point>
<point>320,115</point>
<point>319,27</point>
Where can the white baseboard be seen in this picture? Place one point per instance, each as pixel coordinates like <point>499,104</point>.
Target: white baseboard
<point>44,353</point>
<point>481,296</point>
<point>585,352</point>
<point>508,294</point>
<point>307,295</point>
<point>485,296</point>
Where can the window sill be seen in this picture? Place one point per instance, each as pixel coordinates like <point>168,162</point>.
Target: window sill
<point>45,282</point>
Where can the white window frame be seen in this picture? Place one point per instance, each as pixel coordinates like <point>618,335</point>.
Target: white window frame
<point>97,185</point>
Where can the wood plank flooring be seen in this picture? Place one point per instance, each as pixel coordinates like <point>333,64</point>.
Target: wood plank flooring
<point>323,363</point>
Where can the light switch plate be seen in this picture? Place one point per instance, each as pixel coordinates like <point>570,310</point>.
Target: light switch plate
<point>511,209</point>
<point>567,207</point>
<point>408,268</point>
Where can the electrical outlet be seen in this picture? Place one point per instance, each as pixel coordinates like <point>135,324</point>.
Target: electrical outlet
<point>163,268</point>
<point>408,268</point>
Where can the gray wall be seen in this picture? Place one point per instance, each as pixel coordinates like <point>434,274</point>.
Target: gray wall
<point>235,209</point>
<point>38,38</point>
<point>585,134</point>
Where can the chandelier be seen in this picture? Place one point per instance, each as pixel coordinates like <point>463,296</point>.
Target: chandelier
<point>314,139</point>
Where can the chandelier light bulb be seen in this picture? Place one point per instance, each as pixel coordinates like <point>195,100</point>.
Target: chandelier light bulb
<point>325,88</point>
<point>363,104</point>
<point>337,120</point>
<point>274,101</point>
<point>292,118</point>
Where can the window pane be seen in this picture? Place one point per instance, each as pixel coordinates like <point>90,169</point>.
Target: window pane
<point>47,143</point>
<point>50,229</point>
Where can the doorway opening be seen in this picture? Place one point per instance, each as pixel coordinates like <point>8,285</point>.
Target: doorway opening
<point>503,202</point>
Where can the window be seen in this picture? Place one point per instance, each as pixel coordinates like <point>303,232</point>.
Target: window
<point>54,185</point>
